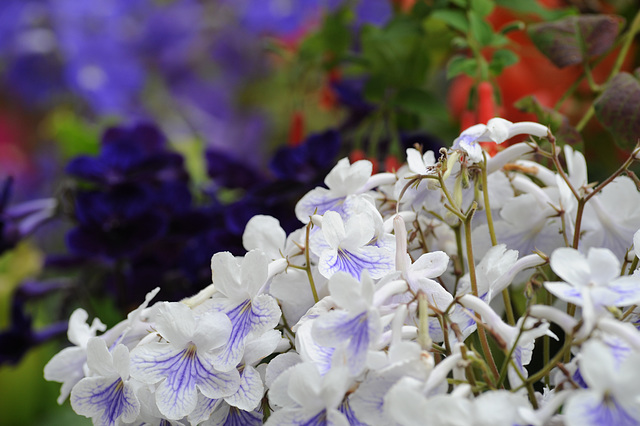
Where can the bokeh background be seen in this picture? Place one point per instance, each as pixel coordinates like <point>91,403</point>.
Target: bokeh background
<point>137,137</point>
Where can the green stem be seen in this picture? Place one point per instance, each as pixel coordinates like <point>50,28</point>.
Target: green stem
<point>484,342</point>
<point>423,322</point>
<point>308,266</point>
<point>506,297</point>
<point>546,344</point>
<point>633,30</point>
<point>548,367</point>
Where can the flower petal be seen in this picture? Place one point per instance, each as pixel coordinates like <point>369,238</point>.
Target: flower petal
<point>104,397</point>
<point>570,265</point>
<point>250,392</point>
<point>565,292</point>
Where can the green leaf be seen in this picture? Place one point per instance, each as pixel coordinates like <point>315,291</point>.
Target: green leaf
<point>482,7</point>
<point>480,29</point>
<point>512,26</point>
<point>557,122</point>
<point>454,18</point>
<point>561,42</point>
<point>618,109</point>
<point>461,65</point>
<point>501,59</point>
<point>420,102</point>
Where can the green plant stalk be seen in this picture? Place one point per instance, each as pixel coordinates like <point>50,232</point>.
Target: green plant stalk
<point>423,326</point>
<point>460,261</point>
<point>630,35</point>
<point>634,265</point>
<point>471,378</point>
<point>308,265</point>
<point>617,66</point>
<point>548,367</point>
<point>484,342</point>
<point>506,297</point>
<point>546,343</point>
<point>453,208</point>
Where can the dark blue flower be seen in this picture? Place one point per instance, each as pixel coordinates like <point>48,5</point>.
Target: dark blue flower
<point>230,172</point>
<point>308,160</point>
<point>115,223</point>
<point>130,154</point>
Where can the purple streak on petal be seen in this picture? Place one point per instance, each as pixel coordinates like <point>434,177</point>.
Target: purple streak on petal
<point>115,399</point>
<point>577,377</point>
<point>356,262</point>
<point>183,371</point>
<point>245,318</point>
<point>609,412</point>
<point>237,417</point>
<point>319,419</point>
<point>345,409</point>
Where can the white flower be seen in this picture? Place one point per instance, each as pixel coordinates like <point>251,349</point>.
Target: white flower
<point>356,326</point>
<point>344,179</point>
<point>592,280</point>
<point>612,217</point>
<point>348,247</point>
<point>185,361</point>
<point>496,130</point>
<point>527,223</point>
<point>307,397</point>
<point>612,395</point>
<point>106,396</point>
<point>67,365</point>
<point>239,287</point>
<point>264,233</point>
<point>520,339</point>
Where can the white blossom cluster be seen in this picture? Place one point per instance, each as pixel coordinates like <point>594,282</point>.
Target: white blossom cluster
<point>372,312</point>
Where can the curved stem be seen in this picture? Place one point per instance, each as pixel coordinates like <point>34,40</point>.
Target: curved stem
<point>474,289</point>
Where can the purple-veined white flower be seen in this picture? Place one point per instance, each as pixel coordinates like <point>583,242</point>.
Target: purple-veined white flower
<point>343,180</point>
<point>185,363</point>
<point>347,247</point>
<point>304,397</point>
<point>67,365</point>
<point>593,280</point>
<point>240,295</point>
<point>612,396</point>
<point>106,396</point>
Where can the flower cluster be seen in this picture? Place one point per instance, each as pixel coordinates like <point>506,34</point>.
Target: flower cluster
<point>380,309</point>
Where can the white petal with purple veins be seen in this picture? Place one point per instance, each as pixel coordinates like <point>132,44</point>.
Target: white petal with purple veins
<point>565,292</point>
<point>318,201</point>
<point>180,371</point>
<point>587,408</point>
<point>252,316</point>
<point>378,262</point>
<point>106,399</point>
<point>250,392</point>
<point>338,327</point>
